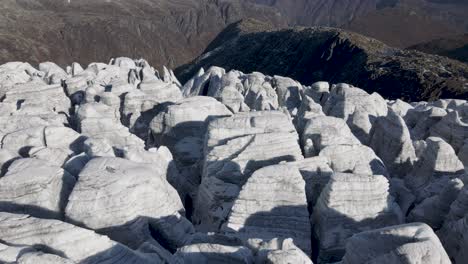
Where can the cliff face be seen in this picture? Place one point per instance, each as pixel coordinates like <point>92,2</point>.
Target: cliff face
<point>314,54</point>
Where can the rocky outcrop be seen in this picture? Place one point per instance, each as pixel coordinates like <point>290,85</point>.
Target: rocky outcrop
<point>272,204</point>
<point>350,204</point>
<point>234,148</point>
<point>415,242</point>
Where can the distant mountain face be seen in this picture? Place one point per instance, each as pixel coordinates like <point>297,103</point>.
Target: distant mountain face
<point>335,13</point>
<point>399,23</point>
<point>315,54</point>
<point>167,32</point>
<point>173,32</point>
<point>454,47</point>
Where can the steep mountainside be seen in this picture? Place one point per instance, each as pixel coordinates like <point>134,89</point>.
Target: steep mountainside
<point>322,12</point>
<point>168,32</point>
<point>314,54</point>
<point>454,47</point>
<point>173,32</point>
<point>399,23</point>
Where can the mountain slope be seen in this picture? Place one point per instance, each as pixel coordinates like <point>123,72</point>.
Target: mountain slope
<point>454,47</point>
<point>399,23</point>
<point>315,54</point>
<point>168,32</point>
<point>173,32</point>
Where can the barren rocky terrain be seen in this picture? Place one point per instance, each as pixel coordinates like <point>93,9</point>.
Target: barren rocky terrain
<point>119,163</point>
<point>320,53</point>
<point>455,47</point>
<point>168,32</point>
<point>173,32</point>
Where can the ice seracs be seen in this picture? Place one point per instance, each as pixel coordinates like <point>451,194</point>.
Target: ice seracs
<point>350,204</point>
<point>126,199</point>
<point>34,187</point>
<point>409,243</point>
<point>391,141</point>
<point>64,240</point>
<point>272,204</point>
<point>234,148</point>
<point>120,163</point>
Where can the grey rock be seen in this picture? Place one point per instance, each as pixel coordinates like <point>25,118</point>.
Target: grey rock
<point>403,196</point>
<point>277,251</point>
<point>141,105</point>
<point>53,73</point>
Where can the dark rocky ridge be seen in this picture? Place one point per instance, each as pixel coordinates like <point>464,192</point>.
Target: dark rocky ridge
<point>454,47</point>
<point>313,54</point>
